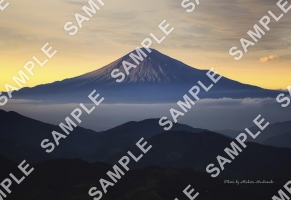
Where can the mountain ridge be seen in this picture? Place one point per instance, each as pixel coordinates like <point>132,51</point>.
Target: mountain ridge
<point>273,130</point>
<point>81,143</point>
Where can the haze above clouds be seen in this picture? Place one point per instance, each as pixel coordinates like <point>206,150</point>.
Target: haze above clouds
<point>213,114</point>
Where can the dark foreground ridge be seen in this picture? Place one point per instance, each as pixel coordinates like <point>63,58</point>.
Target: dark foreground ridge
<point>65,179</point>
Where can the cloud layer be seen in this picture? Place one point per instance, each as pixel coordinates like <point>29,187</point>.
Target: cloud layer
<point>214,114</point>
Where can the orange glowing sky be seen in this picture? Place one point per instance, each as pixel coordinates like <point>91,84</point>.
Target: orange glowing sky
<point>201,39</point>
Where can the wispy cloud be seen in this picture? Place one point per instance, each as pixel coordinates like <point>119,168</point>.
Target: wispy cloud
<point>269,58</point>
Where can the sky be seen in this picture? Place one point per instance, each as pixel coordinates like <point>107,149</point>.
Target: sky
<point>201,39</point>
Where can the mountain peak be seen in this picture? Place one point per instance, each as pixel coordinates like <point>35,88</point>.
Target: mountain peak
<point>155,68</point>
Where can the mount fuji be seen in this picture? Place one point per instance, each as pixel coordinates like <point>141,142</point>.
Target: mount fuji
<point>157,79</point>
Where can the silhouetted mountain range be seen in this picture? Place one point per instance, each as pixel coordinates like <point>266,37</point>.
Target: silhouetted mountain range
<point>19,132</point>
<point>20,138</point>
<point>158,78</point>
<point>183,149</point>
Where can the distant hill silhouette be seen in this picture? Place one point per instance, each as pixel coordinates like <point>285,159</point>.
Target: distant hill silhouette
<point>283,140</point>
<point>21,136</point>
<point>271,131</point>
<point>159,78</point>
